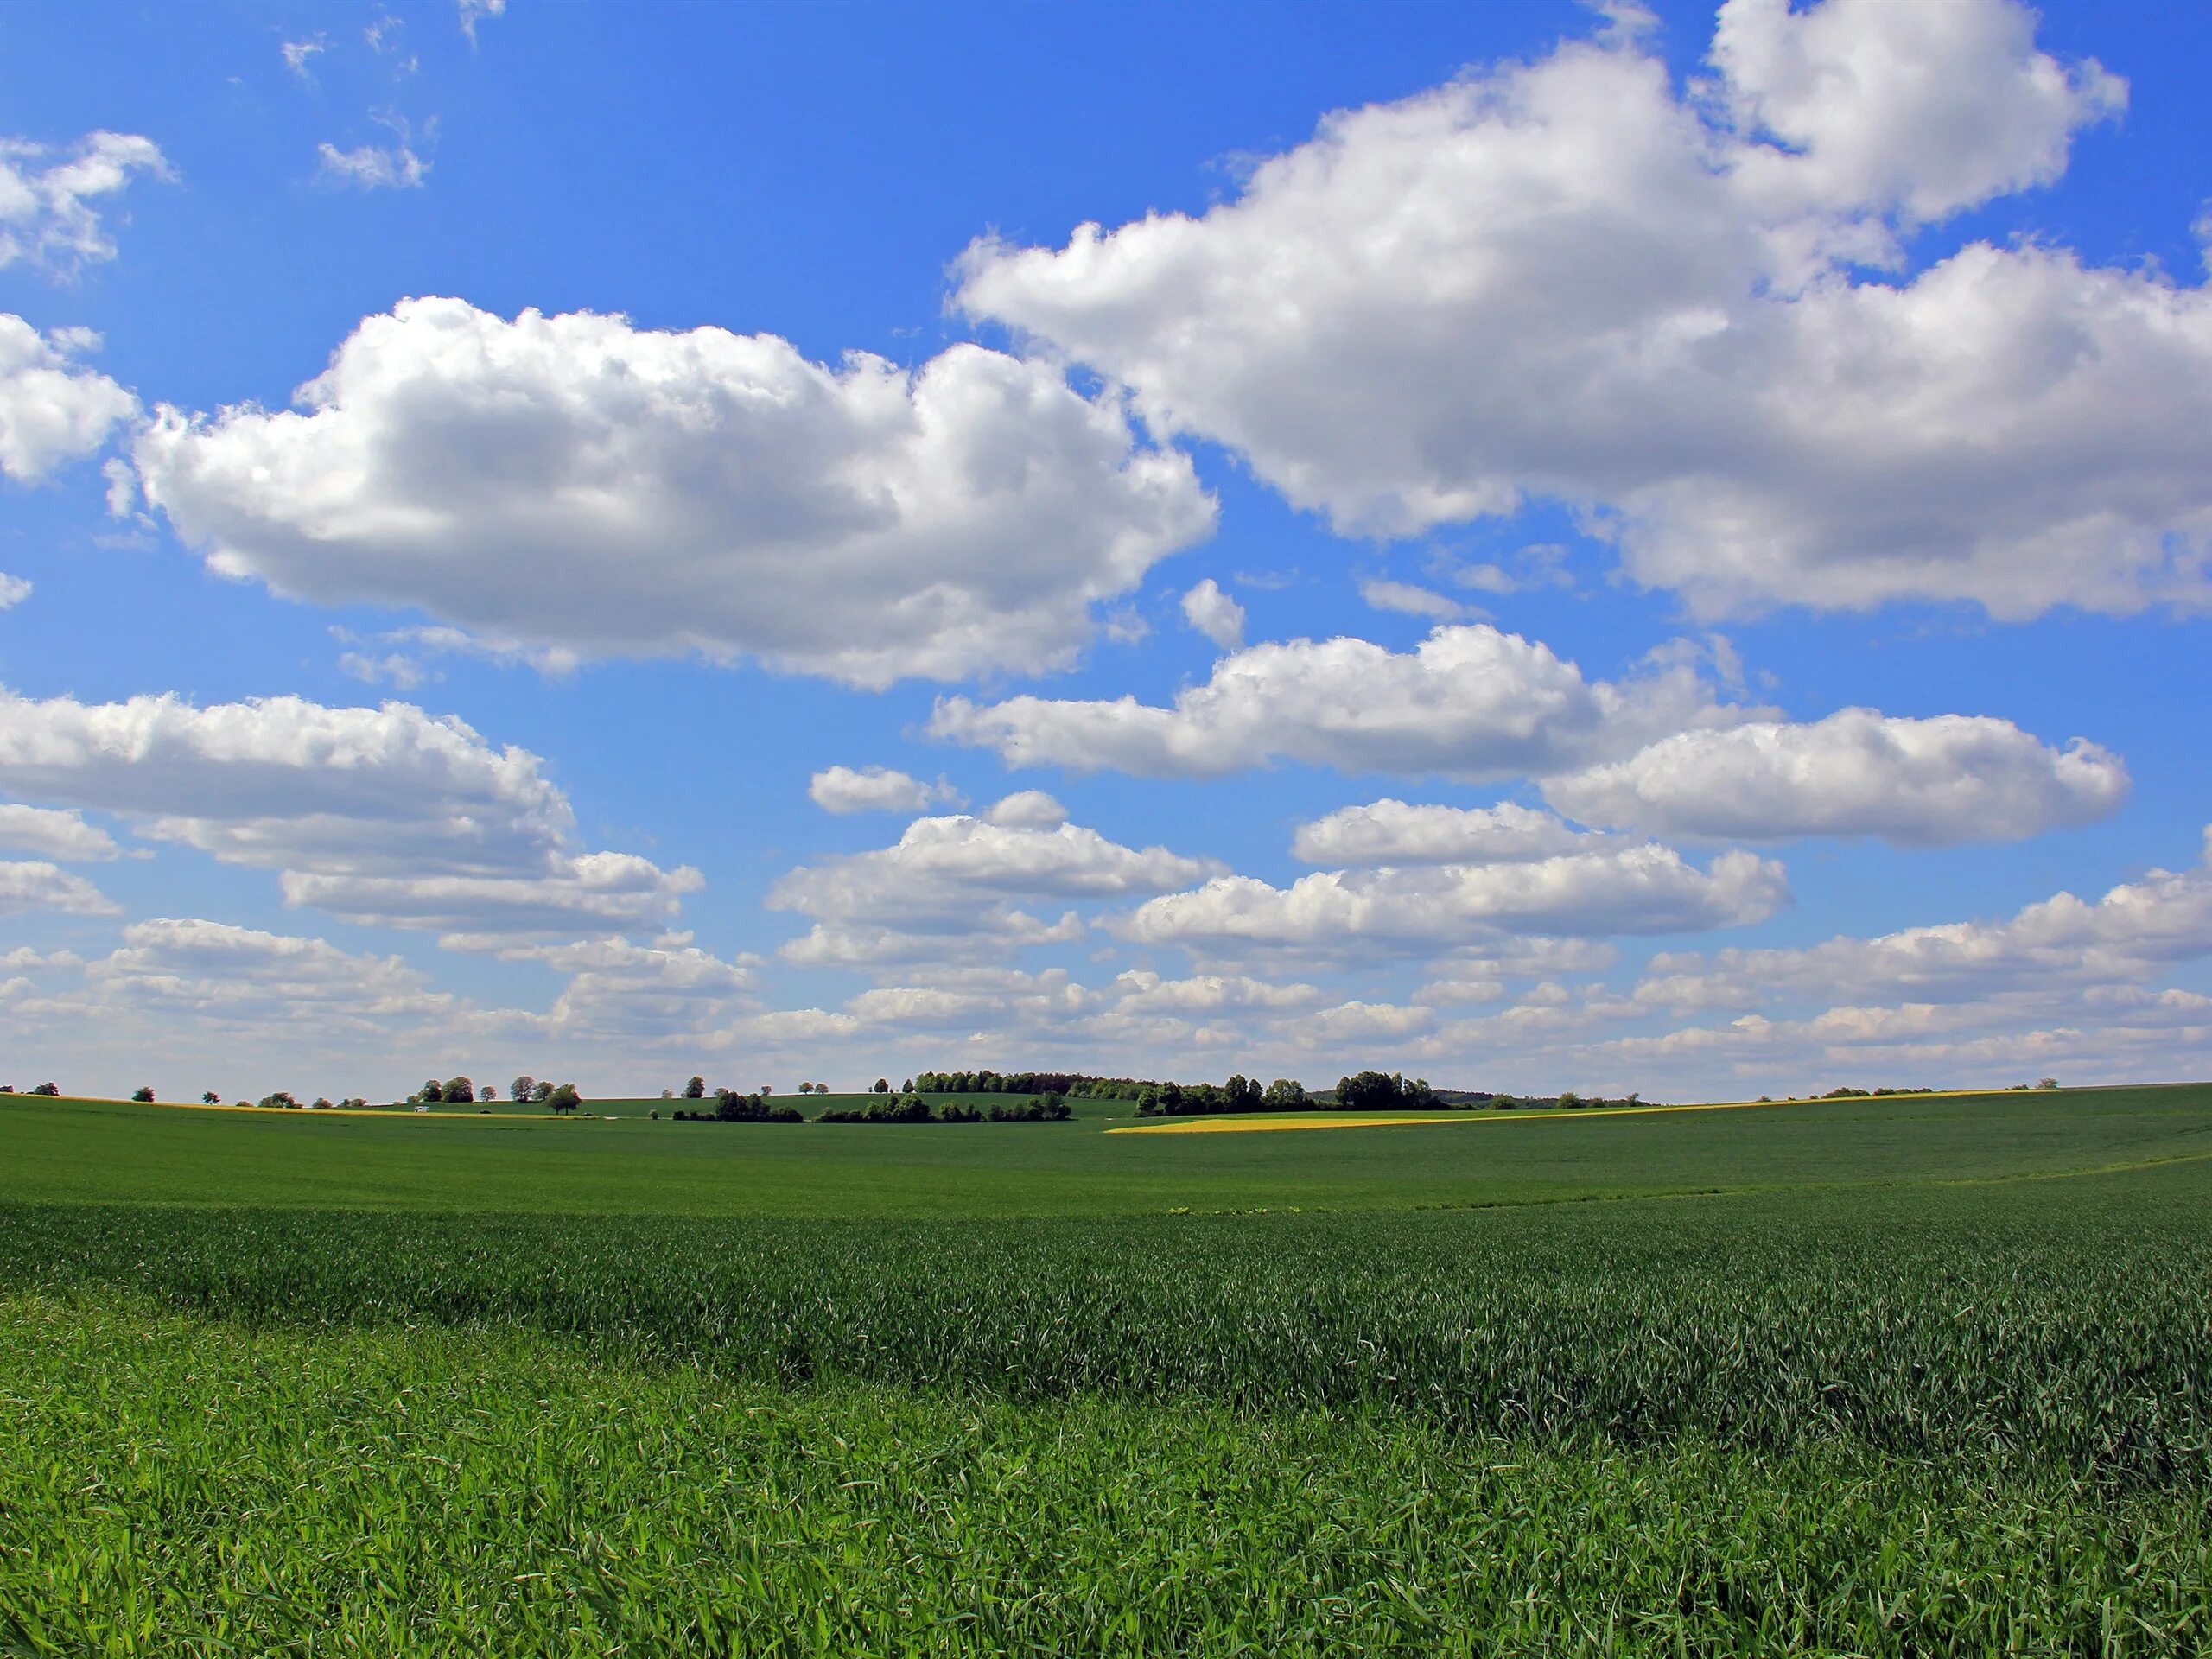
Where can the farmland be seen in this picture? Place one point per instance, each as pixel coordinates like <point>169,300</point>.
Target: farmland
<point>1921,1374</point>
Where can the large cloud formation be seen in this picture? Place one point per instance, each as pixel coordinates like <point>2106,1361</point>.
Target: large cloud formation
<point>1569,279</point>
<point>576,483</point>
<point>377,815</point>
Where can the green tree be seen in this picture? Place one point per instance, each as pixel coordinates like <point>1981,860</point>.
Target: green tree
<point>696,1089</point>
<point>883,1085</point>
<point>1286,1095</point>
<point>460,1091</point>
<point>142,1096</point>
<point>522,1089</point>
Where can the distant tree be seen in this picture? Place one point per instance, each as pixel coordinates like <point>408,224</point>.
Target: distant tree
<point>522,1089</point>
<point>766,1089</point>
<point>47,1088</point>
<point>1241,1093</point>
<point>882,1086</point>
<point>695,1089</point>
<point>1368,1091</point>
<point>212,1098</point>
<point>142,1096</point>
<point>564,1098</point>
<point>279,1098</point>
<point>354,1102</point>
<point>323,1102</point>
<point>1285,1095</point>
<point>541,1091</point>
<point>2047,1083</point>
<point>806,1087</point>
<point>460,1091</point>
<point>654,1114</point>
<point>907,1087</point>
<point>487,1092</point>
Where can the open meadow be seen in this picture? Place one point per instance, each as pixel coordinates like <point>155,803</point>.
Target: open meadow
<point>1920,1374</point>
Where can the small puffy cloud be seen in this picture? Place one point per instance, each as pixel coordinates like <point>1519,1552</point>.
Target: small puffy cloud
<point>48,215</point>
<point>1470,702</point>
<point>1214,615</point>
<point>875,789</point>
<point>1639,889</point>
<point>1392,832</point>
<point>373,167</point>
<point>1141,991</point>
<point>65,835</point>
<point>1408,599</point>
<point>13,590</point>
<point>1028,809</point>
<point>940,867</point>
<point>1359,1022</point>
<point>674,492</point>
<point>385,814</point>
<point>1673,310</point>
<point>33,884</point>
<point>298,54</point>
<point>52,411</point>
<point>948,891</point>
<point>1934,782</point>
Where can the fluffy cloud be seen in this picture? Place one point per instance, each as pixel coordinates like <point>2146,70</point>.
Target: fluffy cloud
<point>33,884</point>
<point>64,835</point>
<point>13,590</point>
<point>946,891</point>
<point>630,993</point>
<point>1392,832</point>
<point>385,814</point>
<point>875,789</point>
<point>1569,279</point>
<point>51,410</point>
<point>577,483</point>
<point>940,867</point>
<point>1141,991</point>
<point>215,972</point>
<point>2135,932</point>
<point>1028,809</point>
<point>47,212</point>
<point>1934,782</point>
<point>1214,615</point>
<point>1470,702</point>
<point>1639,889</point>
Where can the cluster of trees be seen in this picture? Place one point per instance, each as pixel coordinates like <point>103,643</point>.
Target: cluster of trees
<point>1370,1092</point>
<point>526,1091</point>
<point>909,1108</point>
<point>1239,1094</point>
<point>36,1088</point>
<point>1869,1094</point>
<point>990,1083</point>
<point>730,1107</point>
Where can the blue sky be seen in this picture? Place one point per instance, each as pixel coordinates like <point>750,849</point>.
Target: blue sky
<point>1541,546</point>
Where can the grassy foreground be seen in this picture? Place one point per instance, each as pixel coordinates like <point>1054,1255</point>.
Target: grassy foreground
<point>1903,1376</point>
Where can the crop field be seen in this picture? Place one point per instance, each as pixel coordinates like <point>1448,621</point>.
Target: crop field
<point>1918,1375</point>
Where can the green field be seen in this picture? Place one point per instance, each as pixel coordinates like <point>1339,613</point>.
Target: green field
<point>1909,1376</point>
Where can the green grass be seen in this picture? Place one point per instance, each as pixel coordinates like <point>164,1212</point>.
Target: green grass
<point>65,1151</point>
<point>180,1488</point>
<point>1905,1376</point>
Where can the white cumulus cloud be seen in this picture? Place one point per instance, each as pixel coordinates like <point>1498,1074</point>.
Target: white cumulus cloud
<point>1214,615</point>
<point>578,483</point>
<point>33,884</point>
<point>1471,702</point>
<point>1394,832</point>
<point>52,411</point>
<point>385,814</point>
<point>1954,777</point>
<point>65,835</point>
<point>1421,911</point>
<point>875,789</point>
<point>1690,313</point>
<point>47,211</point>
